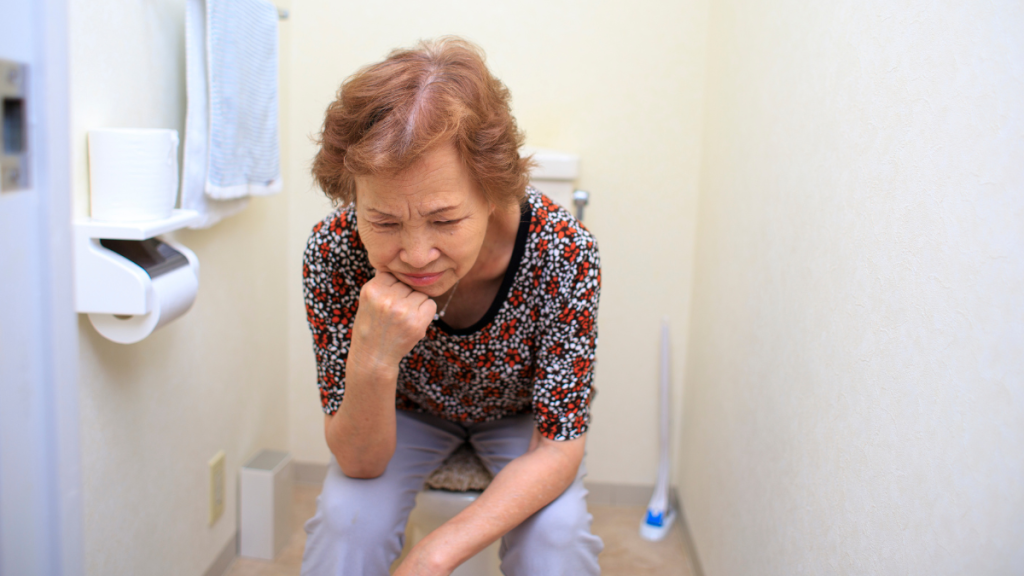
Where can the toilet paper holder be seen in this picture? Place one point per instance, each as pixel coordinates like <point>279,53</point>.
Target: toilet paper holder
<point>118,264</point>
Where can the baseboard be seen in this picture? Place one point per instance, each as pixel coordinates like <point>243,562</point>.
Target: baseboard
<point>309,472</point>
<point>223,561</point>
<point>615,494</point>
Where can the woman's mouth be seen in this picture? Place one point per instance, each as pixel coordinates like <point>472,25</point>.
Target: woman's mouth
<point>420,279</point>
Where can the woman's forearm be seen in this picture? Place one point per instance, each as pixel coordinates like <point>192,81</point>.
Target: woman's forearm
<point>361,434</point>
<point>390,320</point>
<point>524,486</point>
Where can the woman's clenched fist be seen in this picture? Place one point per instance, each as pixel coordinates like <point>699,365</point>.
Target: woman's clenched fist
<point>390,320</point>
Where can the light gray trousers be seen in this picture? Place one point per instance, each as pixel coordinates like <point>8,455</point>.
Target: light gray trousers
<point>359,526</point>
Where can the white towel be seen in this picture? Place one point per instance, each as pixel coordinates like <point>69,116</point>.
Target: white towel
<point>231,138</point>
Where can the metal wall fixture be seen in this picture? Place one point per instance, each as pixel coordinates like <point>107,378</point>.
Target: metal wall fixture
<point>14,152</point>
<point>580,199</point>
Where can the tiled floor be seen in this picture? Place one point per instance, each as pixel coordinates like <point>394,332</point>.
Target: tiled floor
<point>625,553</point>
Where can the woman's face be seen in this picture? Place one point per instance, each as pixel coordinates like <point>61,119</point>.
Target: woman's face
<point>425,225</point>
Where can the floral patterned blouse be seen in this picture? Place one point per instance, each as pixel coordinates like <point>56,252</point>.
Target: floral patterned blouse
<point>533,350</point>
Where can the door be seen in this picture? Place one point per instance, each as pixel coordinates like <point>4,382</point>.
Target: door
<point>40,510</point>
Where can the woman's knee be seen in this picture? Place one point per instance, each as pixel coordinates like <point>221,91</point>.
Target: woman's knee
<point>358,525</point>
<point>560,525</point>
<point>355,509</point>
<point>556,540</point>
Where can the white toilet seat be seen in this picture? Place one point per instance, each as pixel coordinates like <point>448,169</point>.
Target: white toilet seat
<point>435,507</point>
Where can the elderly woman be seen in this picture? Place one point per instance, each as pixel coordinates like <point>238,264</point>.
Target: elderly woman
<point>449,302</point>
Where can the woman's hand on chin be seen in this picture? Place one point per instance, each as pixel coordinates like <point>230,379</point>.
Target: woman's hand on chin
<point>391,319</point>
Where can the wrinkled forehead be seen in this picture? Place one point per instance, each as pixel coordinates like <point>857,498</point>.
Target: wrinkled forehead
<point>436,181</point>
<point>422,205</point>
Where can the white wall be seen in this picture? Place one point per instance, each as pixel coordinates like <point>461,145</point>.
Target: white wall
<point>620,84</point>
<point>855,402</point>
<point>153,413</point>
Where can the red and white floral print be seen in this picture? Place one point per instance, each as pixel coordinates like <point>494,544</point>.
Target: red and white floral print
<point>532,351</point>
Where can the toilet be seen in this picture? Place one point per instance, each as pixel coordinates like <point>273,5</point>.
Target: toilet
<point>555,174</point>
<point>454,485</point>
<point>435,507</point>
<point>462,477</point>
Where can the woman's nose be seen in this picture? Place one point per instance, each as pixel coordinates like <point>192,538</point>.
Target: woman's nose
<point>417,250</point>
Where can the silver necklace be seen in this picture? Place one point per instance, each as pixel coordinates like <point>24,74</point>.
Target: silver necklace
<point>440,314</point>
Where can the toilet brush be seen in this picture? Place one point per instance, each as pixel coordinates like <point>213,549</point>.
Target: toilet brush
<point>660,515</point>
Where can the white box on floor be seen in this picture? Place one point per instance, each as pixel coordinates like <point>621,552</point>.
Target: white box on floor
<point>265,502</point>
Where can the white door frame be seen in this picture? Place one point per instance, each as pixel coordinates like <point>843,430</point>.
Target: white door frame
<point>40,479</point>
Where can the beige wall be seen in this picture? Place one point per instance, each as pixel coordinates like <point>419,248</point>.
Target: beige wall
<point>620,84</point>
<point>855,402</point>
<point>153,413</point>
<point>853,397</point>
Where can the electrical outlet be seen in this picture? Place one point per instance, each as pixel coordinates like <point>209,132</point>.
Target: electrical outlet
<point>216,486</point>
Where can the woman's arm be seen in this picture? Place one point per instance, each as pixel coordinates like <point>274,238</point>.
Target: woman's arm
<point>391,319</point>
<point>523,487</point>
<point>361,434</point>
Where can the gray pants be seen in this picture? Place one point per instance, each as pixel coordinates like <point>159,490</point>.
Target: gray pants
<point>359,525</point>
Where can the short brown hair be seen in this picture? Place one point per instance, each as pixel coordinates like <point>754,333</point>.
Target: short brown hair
<point>388,114</point>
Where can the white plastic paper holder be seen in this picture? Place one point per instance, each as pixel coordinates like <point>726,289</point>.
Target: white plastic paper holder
<point>135,230</point>
<point>108,283</point>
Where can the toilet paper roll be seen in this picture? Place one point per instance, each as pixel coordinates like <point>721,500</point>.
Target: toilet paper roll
<point>173,295</point>
<point>133,174</point>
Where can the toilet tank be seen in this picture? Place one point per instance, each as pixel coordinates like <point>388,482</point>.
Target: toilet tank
<point>555,174</point>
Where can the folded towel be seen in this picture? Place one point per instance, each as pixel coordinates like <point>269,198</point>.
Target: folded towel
<point>231,139</point>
